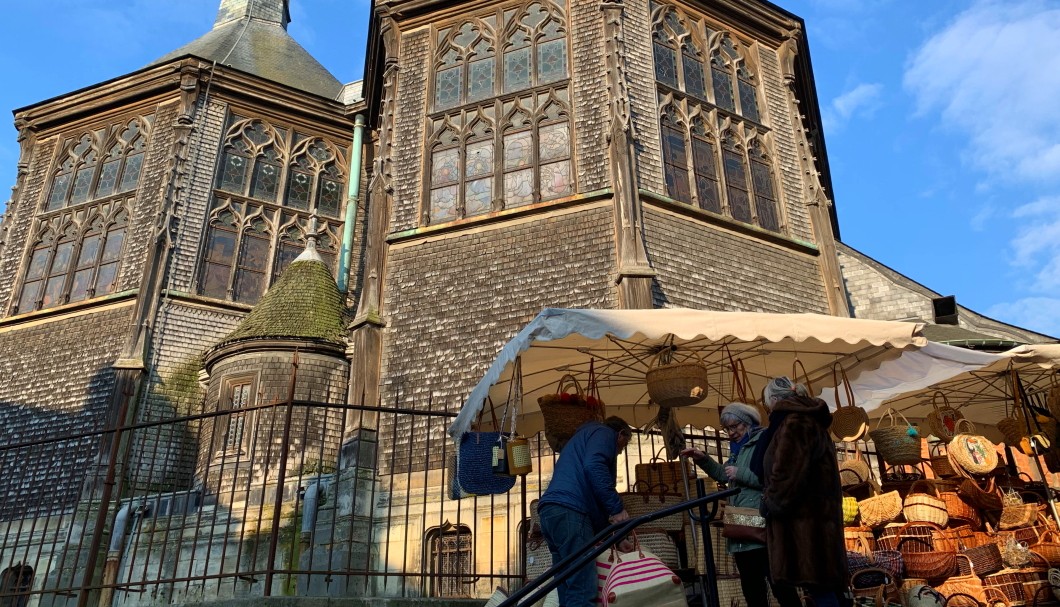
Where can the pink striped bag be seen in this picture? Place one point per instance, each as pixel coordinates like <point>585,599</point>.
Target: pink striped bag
<point>639,578</point>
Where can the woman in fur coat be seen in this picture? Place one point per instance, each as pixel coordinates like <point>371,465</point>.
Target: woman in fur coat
<point>802,499</point>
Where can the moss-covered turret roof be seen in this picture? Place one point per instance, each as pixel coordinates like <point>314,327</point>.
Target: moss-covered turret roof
<point>305,303</point>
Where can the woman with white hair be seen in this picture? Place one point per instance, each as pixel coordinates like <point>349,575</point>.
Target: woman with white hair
<point>743,423</point>
<point>802,500</point>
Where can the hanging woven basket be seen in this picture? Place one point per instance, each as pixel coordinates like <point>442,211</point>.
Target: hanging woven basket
<point>971,453</point>
<point>897,443</point>
<point>676,384</point>
<point>943,418</point>
<point>849,422</point>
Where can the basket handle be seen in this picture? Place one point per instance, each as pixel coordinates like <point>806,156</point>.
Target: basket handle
<point>568,382</point>
<point>477,428</point>
<point>962,422</point>
<point>935,400</point>
<point>961,594</point>
<point>890,413</point>
<point>839,375</point>
<point>934,491</point>
<point>796,365</point>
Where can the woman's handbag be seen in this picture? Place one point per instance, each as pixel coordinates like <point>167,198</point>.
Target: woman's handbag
<point>475,460</point>
<point>984,498</point>
<point>897,443</point>
<point>640,578</point>
<point>850,422</point>
<point>743,525</point>
<point>566,410</point>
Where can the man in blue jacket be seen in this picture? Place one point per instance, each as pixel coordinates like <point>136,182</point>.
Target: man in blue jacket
<point>581,501</point>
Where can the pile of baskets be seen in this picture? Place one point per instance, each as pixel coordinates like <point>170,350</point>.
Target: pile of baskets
<point>975,538</point>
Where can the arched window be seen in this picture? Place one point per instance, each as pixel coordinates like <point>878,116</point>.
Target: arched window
<point>737,188</point>
<point>722,175</point>
<point>79,264</point>
<point>268,176</point>
<point>15,585</point>
<point>100,163</point>
<point>500,153</point>
<point>448,552</point>
<point>762,181</point>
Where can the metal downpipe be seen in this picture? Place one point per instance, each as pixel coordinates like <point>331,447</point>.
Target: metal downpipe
<point>352,192</point>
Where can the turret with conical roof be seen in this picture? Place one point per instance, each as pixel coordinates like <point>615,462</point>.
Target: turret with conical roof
<point>251,36</point>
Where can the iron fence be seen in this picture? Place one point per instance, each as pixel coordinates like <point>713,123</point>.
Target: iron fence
<point>289,498</point>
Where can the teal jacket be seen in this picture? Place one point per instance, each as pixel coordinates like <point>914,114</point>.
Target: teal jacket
<point>750,495</point>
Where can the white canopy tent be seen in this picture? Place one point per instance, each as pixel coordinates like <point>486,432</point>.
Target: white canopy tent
<point>621,345</point>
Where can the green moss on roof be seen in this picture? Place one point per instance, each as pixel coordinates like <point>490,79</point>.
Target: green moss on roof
<point>304,303</point>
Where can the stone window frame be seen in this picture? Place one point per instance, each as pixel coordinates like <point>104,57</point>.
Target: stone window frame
<point>16,582</point>
<point>234,264</point>
<point>445,581</point>
<point>98,158</point>
<point>242,424</point>
<point>80,276</point>
<point>730,150</point>
<point>489,123</point>
<point>731,141</point>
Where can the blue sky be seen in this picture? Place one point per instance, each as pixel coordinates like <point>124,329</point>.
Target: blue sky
<point>941,120</point>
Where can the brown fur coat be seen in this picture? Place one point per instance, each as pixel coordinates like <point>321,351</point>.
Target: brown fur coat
<point>802,499</point>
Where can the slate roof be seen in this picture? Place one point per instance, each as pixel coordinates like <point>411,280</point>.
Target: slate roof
<point>265,50</point>
<point>305,303</point>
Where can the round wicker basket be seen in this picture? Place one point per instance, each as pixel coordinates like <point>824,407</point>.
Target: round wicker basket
<point>677,384</point>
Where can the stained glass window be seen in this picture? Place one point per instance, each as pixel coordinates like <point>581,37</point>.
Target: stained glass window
<point>220,251</point>
<point>736,182</point>
<point>665,64</point>
<point>100,164</point>
<point>704,164</point>
<point>480,162</point>
<point>765,198</point>
<point>722,80</point>
<point>675,160</point>
<point>83,263</point>
<point>692,70</point>
<point>254,256</point>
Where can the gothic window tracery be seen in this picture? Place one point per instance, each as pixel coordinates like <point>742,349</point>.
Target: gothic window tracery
<point>270,182</point>
<point>493,144</point>
<point>716,151</point>
<point>100,164</point>
<point>75,256</point>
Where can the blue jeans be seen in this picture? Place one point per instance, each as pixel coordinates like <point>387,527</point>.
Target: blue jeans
<point>566,532</point>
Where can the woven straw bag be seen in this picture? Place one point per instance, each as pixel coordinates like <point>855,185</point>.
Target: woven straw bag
<point>1014,426</point>
<point>676,384</point>
<point>942,420</point>
<point>849,422</point>
<point>896,443</point>
<point>566,410</point>
<point>880,509</point>
<point>971,453</point>
<point>1049,547</point>
<point>960,511</point>
<point>640,503</point>
<point>855,470</point>
<point>917,594</point>
<point>877,584</point>
<point>935,565</point>
<point>659,543</point>
<point>923,505</point>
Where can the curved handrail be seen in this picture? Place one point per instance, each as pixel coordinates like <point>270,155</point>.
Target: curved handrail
<point>607,538</point>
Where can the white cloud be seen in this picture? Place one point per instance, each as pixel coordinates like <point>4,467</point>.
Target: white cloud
<point>993,73</point>
<point>862,100</point>
<point>1040,314</point>
<point>1036,246</point>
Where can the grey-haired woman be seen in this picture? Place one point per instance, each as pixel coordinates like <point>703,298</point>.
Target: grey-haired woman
<point>743,424</point>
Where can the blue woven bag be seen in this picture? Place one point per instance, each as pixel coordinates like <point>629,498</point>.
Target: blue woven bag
<point>474,464</point>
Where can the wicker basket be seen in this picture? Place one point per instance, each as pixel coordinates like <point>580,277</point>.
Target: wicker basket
<point>849,422</point>
<point>942,420</point>
<point>565,411</point>
<point>854,471</point>
<point>960,511</point>
<point>971,453</point>
<point>662,476</point>
<point>659,543</point>
<point>1013,427</point>
<point>1006,586</point>
<point>676,384</point>
<point>923,505</point>
<point>883,593</point>
<point>896,443</point>
<point>968,585</point>
<point>984,498</point>
<point>940,461</point>
<point>637,504</point>
<point>985,559</point>
<point>1048,546</point>
<point>1017,516</point>
<point>859,539</point>
<point>880,509</point>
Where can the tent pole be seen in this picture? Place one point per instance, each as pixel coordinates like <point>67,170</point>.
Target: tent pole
<point>1045,478</point>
